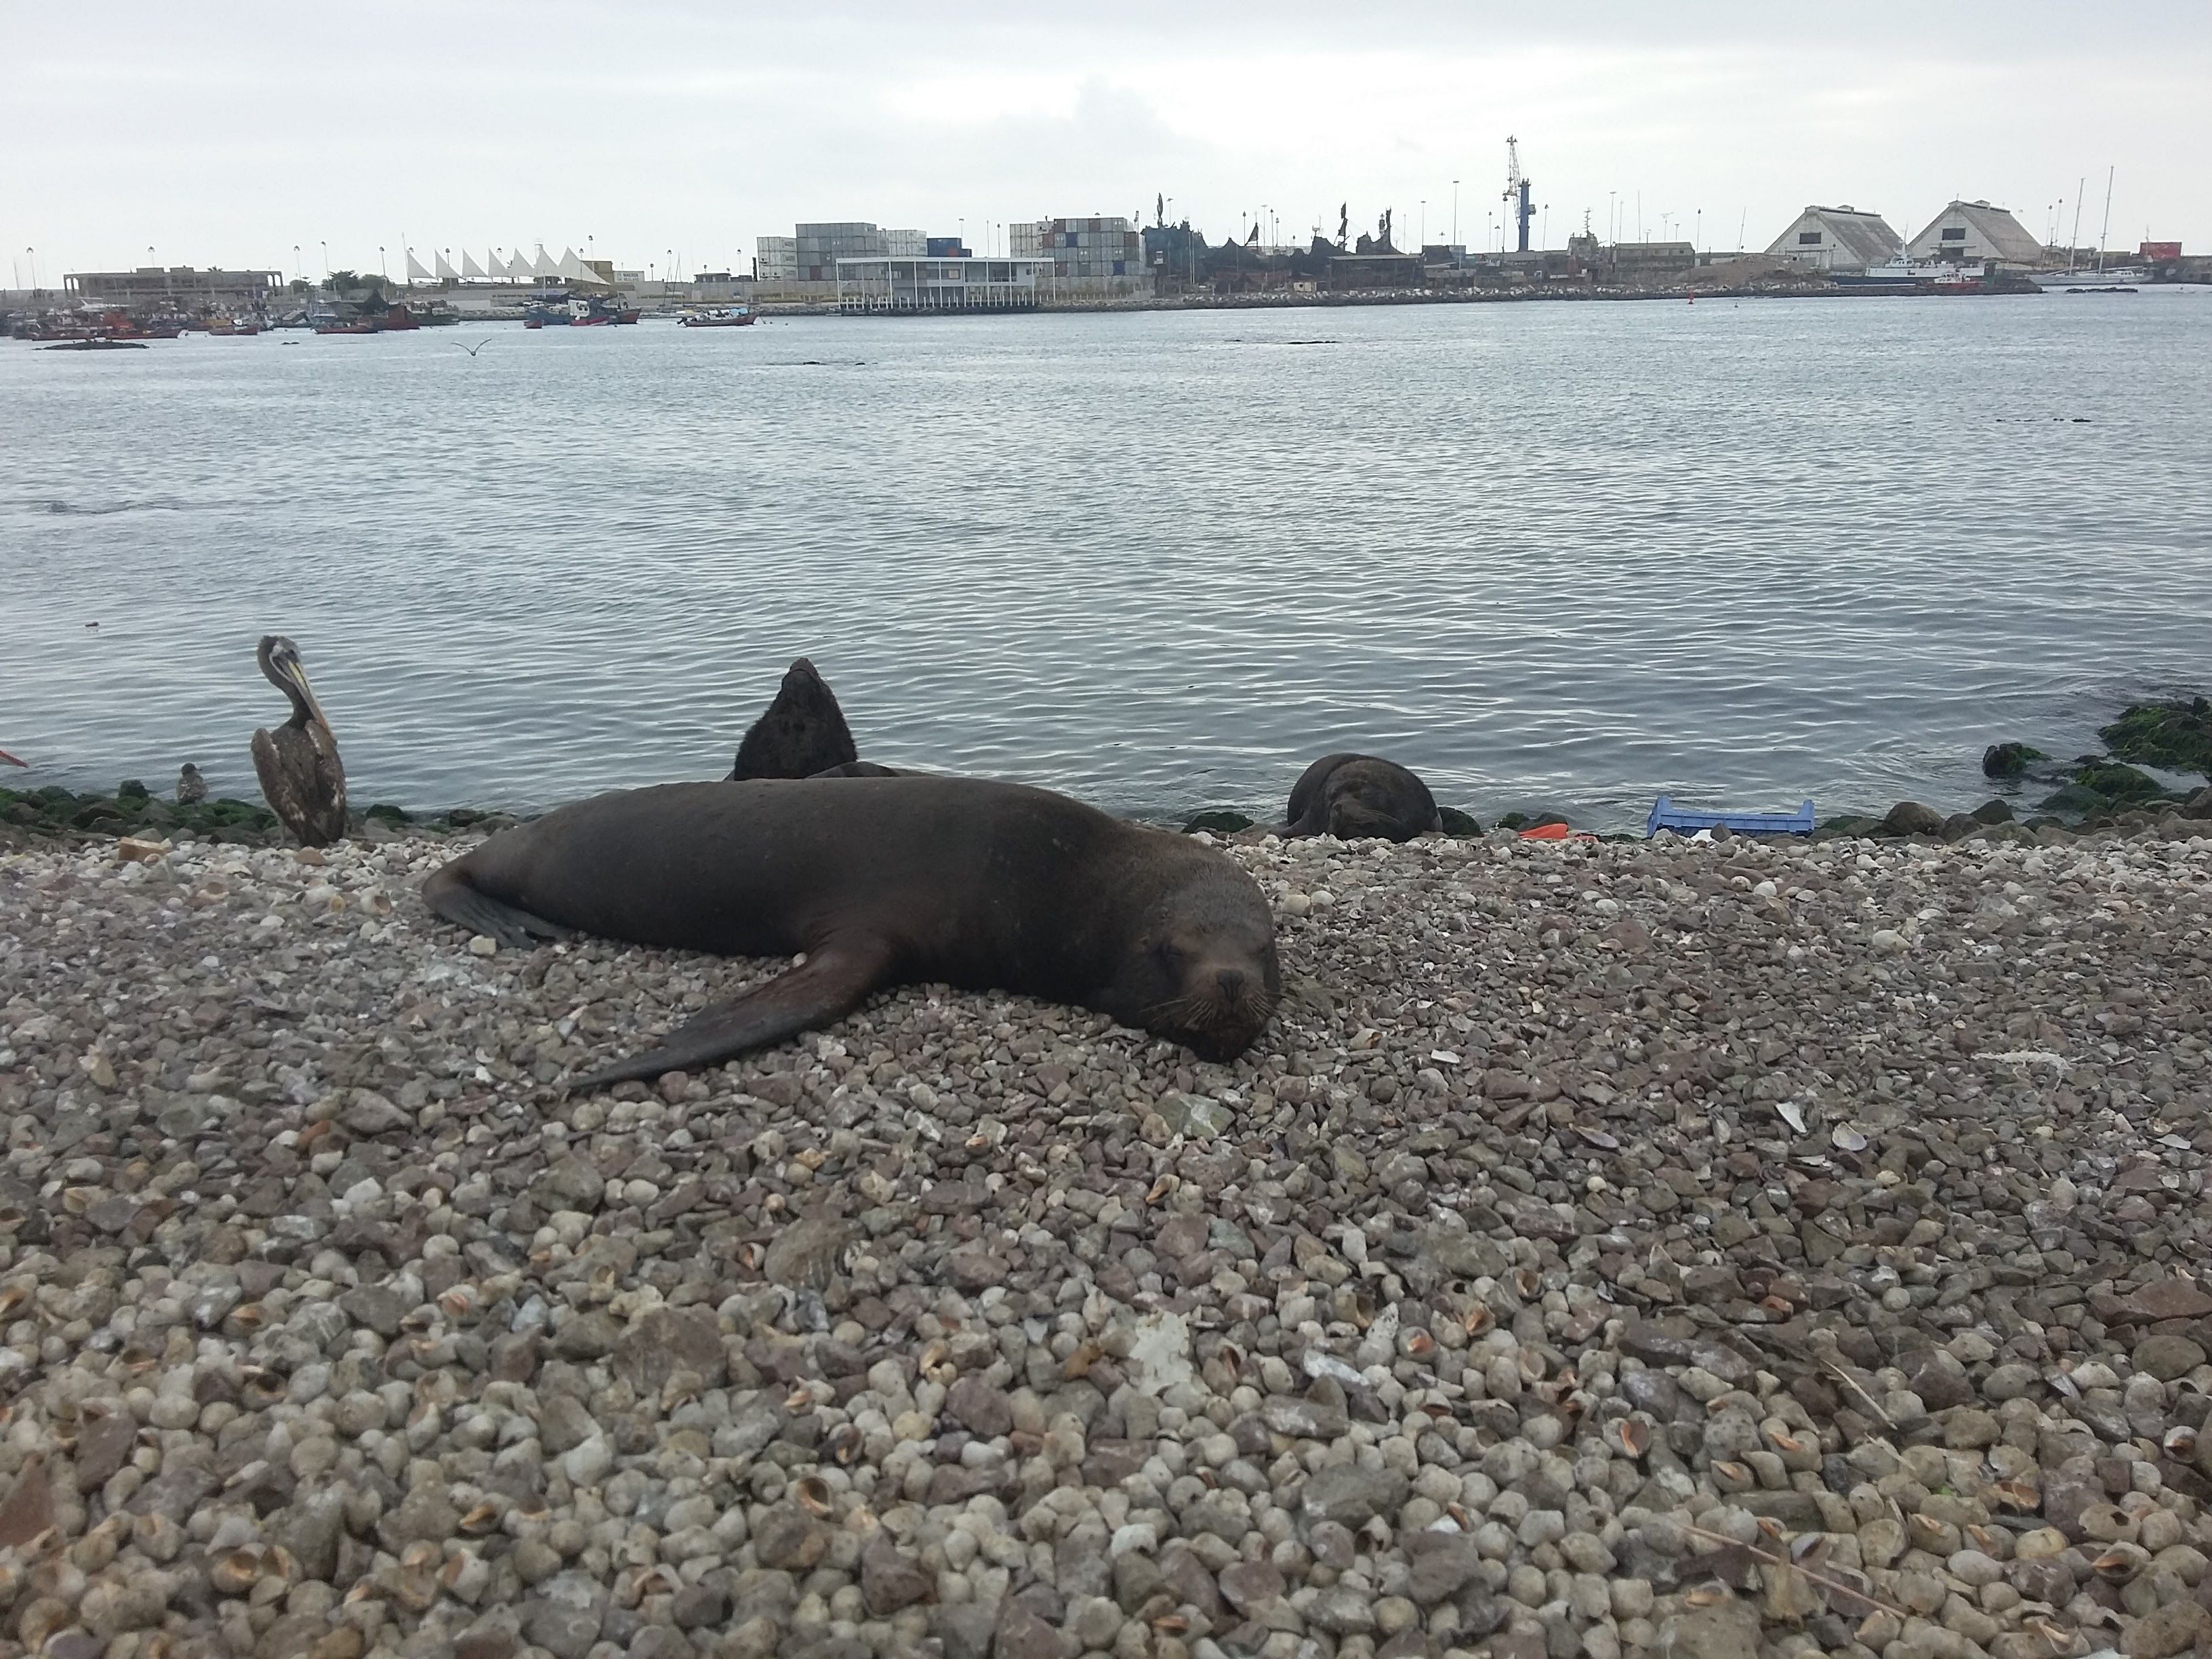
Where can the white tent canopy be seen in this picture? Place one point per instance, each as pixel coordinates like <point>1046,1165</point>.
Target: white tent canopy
<point>518,267</point>
<point>574,270</point>
<point>415,271</point>
<point>543,266</point>
<point>444,269</point>
<point>470,268</point>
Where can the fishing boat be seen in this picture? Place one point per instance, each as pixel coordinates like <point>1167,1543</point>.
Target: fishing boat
<point>395,319</point>
<point>565,310</point>
<point>85,325</point>
<point>735,317</point>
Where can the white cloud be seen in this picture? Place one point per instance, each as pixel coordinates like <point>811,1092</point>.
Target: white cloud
<point>695,128</point>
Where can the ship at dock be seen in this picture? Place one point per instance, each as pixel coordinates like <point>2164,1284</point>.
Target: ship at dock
<point>562,309</point>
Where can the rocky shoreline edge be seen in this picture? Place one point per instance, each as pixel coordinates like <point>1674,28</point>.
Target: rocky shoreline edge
<point>53,813</point>
<point>1751,1250</point>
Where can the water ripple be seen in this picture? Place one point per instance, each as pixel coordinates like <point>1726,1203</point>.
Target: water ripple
<point>1564,554</point>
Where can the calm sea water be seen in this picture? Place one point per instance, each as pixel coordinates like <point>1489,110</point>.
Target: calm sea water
<point>1565,555</point>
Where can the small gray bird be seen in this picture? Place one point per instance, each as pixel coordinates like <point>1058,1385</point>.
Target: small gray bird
<point>191,786</point>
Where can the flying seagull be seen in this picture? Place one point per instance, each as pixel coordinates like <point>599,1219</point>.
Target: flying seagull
<point>478,346</point>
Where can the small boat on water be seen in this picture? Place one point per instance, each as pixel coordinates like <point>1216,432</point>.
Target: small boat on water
<point>566,310</point>
<point>83,325</point>
<point>96,345</point>
<point>733,317</point>
<point>396,319</point>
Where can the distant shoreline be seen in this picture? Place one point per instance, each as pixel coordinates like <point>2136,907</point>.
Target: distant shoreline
<point>1278,301</point>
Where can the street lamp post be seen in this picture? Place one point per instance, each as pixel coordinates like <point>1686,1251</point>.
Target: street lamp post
<point>33,256</point>
<point>327,262</point>
<point>1454,213</point>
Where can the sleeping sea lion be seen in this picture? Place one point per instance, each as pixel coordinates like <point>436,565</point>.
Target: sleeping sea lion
<point>883,882</point>
<point>1350,796</point>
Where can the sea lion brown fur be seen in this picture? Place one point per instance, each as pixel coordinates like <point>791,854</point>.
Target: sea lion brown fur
<point>883,882</point>
<point>1351,796</point>
<point>801,733</point>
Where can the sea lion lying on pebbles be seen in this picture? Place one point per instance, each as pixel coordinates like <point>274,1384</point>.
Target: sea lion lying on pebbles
<point>882,882</point>
<point>1357,795</point>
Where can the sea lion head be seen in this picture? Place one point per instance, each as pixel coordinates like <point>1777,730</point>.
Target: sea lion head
<point>1201,971</point>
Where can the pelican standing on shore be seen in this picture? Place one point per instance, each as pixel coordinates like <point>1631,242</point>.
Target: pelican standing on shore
<point>298,763</point>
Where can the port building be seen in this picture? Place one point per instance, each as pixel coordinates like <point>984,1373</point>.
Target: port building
<point>904,287</point>
<point>1839,238</point>
<point>1976,233</point>
<point>181,286</point>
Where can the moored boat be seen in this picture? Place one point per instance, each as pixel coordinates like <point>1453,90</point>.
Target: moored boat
<point>733,317</point>
<point>395,319</point>
<point>561,309</point>
<point>2063,282</point>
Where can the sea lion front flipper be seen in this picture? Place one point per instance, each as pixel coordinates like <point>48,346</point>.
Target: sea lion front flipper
<point>830,984</point>
<point>449,893</point>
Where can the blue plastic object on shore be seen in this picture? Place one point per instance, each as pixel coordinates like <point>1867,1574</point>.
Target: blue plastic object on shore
<point>1665,815</point>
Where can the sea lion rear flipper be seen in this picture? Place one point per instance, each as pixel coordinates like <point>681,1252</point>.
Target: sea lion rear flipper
<point>830,984</point>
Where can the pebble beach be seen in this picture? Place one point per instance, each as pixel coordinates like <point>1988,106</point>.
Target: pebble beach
<point>1700,1250</point>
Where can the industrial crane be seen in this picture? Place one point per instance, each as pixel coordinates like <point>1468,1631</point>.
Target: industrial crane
<point>1517,190</point>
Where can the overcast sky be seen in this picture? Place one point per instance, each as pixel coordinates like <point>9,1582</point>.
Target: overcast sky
<point>655,127</point>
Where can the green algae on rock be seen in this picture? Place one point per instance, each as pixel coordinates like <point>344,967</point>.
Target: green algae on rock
<point>2175,735</point>
<point>2100,784</point>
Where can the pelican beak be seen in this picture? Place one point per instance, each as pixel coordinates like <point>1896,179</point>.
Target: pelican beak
<point>11,760</point>
<point>295,672</point>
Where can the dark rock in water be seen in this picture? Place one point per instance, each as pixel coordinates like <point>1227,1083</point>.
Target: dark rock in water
<point>1960,825</point>
<point>2008,760</point>
<point>857,770</point>
<point>1353,796</point>
<point>1993,811</point>
<point>1909,817</point>
<point>1220,820</point>
<point>1456,822</point>
<point>2198,806</point>
<point>385,812</point>
<point>2098,784</point>
<point>131,792</point>
<point>2176,735</point>
<point>803,733</point>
